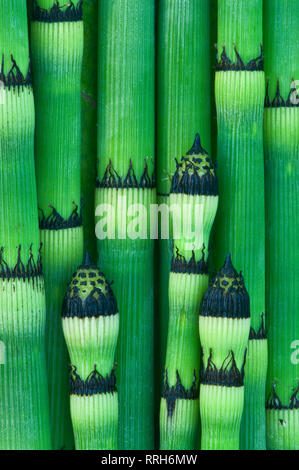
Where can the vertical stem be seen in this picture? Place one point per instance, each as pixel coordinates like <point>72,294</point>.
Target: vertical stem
<point>57,48</point>
<point>183,108</point>
<point>24,404</point>
<point>89,123</point>
<point>240,222</point>
<point>125,168</point>
<point>281,129</point>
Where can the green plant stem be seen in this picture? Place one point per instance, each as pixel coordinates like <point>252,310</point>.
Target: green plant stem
<point>126,153</point>
<point>193,190</point>
<point>281,127</point>
<point>183,108</point>
<point>57,48</point>
<point>179,428</point>
<point>90,323</point>
<point>224,325</point>
<point>133,287</point>
<point>24,404</point>
<point>221,410</point>
<point>240,222</point>
<point>89,123</point>
<point>62,251</point>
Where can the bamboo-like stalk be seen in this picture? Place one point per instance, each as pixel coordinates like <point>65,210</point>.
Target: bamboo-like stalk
<point>193,190</point>
<point>240,221</point>
<point>57,47</point>
<point>24,404</point>
<point>89,123</point>
<point>281,130</point>
<point>224,326</point>
<point>183,108</point>
<point>90,322</point>
<point>125,177</point>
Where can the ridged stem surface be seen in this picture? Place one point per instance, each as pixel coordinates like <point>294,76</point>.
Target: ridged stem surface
<point>281,128</point>
<point>126,72</point>
<point>183,108</point>
<point>240,24</point>
<point>57,49</point>
<point>89,123</point>
<point>24,406</point>
<point>240,221</point>
<point>95,420</point>
<point>129,263</point>
<point>62,252</point>
<point>179,428</point>
<point>282,204</point>
<point>221,411</point>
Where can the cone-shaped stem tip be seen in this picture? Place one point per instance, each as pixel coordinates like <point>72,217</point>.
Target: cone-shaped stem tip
<point>196,148</point>
<point>228,269</point>
<point>228,262</point>
<point>88,261</point>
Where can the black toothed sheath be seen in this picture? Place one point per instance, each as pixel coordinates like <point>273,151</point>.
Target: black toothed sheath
<point>24,403</point>
<point>90,323</point>
<point>57,48</point>
<point>224,326</point>
<point>194,193</point>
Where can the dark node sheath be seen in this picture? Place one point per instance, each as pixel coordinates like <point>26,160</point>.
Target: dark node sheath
<point>292,100</point>
<point>225,64</point>
<point>274,402</point>
<point>180,265</point>
<point>55,221</point>
<point>95,383</point>
<point>227,376</point>
<point>31,270</point>
<point>261,333</point>
<point>57,13</point>
<point>112,179</point>
<point>14,78</point>
<point>178,391</point>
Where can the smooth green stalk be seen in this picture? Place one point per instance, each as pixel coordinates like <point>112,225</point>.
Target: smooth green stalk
<point>57,48</point>
<point>24,404</point>
<point>125,168</point>
<point>183,108</point>
<point>90,323</point>
<point>224,326</point>
<point>193,192</point>
<point>281,129</point>
<point>240,222</point>
<point>89,122</point>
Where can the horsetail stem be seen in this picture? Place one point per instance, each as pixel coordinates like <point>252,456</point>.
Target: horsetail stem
<point>24,404</point>
<point>224,326</point>
<point>89,122</point>
<point>194,185</point>
<point>90,322</point>
<point>281,129</point>
<point>183,93</point>
<point>57,46</point>
<point>240,222</point>
<point>125,177</point>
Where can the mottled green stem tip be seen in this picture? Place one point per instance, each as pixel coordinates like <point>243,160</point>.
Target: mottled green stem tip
<point>89,293</point>
<point>227,296</point>
<point>195,174</point>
